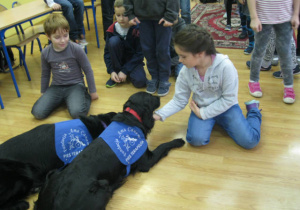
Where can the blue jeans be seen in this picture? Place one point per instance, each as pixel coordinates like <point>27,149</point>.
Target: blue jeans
<point>244,131</point>
<point>153,38</point>
<point>73,11</point>
<point>283,33</point>
<point>107,7</point>
<point>185,6</point>
<point>76,97</point>
<point>119,57</point>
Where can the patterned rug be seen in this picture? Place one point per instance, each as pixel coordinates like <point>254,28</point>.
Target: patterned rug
<point>210,16</point>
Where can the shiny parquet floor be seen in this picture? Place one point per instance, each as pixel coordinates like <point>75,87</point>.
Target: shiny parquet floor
<point>220,175</point>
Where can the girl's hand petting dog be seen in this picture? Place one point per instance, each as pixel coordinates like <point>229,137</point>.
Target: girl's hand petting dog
<point>156,117</point>
<point>195,109</point>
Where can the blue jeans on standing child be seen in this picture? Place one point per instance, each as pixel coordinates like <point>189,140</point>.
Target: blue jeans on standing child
<point>119,57</point>
<point>153,38</point>
<point>244,131</point>
<point>73,11</point>
<point>76,97</point>
<point>185,6</point>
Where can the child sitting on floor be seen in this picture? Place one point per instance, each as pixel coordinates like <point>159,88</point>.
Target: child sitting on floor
<point>65,60</point>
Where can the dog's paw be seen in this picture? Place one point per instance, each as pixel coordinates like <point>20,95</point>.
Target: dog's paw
<point>178,142</point>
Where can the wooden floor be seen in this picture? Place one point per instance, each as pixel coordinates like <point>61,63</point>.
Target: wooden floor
<point>220,175</point>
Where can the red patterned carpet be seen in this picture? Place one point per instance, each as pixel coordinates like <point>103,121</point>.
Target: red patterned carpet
<point>210,16</point>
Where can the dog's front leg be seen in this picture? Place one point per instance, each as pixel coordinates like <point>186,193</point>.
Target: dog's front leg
<point>149,159</point>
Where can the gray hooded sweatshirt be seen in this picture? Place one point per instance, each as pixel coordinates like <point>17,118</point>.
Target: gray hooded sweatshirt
<point>215,95</point>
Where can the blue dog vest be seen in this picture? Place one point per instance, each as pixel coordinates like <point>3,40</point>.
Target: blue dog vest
<point>127,142</point>
<point>71,137</point>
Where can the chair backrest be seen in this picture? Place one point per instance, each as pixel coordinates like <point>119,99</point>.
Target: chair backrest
<point>2,8</point>
<point>16,4</point>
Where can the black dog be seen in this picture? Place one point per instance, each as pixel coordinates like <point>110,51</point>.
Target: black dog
<point>89,181</point>
<point>26,159</point>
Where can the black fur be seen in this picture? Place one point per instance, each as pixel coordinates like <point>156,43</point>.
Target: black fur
<point>26,159</point>
<point>90,180</point>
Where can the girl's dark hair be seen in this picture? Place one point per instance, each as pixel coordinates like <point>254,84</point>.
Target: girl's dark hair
<point>195,39</point>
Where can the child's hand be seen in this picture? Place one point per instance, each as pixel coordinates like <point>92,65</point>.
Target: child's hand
<point>94,96</point>
<point>156,117</point>
<point>134,21</point>
<point>56,6</point>
<point>114,77</point>
<point>242,2</point>
<point>166,23</point>
<point>295,22</point>
<point>195,108</point>
<point>256,25</point>
<point>122,76</point>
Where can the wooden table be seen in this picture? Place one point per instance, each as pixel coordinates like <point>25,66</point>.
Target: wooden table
<point>18,15</point>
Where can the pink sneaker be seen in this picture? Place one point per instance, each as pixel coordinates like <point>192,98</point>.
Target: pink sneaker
<point>289,96</point>
<point>254,89</point>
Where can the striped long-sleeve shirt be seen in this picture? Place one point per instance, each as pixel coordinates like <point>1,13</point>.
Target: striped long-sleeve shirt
<point>274,11</point>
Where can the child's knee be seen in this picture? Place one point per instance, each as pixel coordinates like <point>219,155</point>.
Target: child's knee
<point>114,41</point>
<point>197,140</point>
<point>249,143</point>
<point>39,115</point>
<point>139,83</point>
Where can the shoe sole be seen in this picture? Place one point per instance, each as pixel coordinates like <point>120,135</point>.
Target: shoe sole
<point>246,53</point>
<point>162,94</point>
<point>147,91</point>
<point>110,86</point>
<point>289,100</point>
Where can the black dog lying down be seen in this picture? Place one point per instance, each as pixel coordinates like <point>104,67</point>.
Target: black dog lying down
<point>89,181</point>
<point>26,159</point>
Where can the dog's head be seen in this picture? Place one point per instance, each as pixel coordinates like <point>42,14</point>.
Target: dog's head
<point>144,104</point>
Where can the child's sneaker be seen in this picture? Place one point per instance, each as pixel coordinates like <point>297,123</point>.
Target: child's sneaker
<point>163,88</point>
<point>228,28</point>
<point>275,60</point>
<point>278,74</point>
<point>251,104</point>
<point>248,50</point>
<point>110,83</point>
<point>248,64</point>
<point>289,95</point>
<point>151,86</point>
<point>83,42</point>
<point>243,35</point>
<point>254,89</point>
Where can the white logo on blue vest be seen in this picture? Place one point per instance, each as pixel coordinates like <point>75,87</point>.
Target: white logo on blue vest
<point>128,142</point>
<point>71,137</point>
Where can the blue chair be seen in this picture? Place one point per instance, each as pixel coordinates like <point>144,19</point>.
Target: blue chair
<point>39,29</point>
<point>92,4</point>
<point>1,103</point>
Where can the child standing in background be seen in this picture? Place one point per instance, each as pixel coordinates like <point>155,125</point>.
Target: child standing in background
<point>213,80</point>
<point>123,54</point>
<point>65,60</point>
<point>156,18</point>
<point>263,21</point>
<point>73,11</point>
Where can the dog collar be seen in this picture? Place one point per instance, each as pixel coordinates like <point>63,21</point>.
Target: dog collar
<point>131,111</point>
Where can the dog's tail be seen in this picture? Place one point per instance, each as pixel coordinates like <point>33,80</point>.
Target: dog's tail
<point>17,180</point>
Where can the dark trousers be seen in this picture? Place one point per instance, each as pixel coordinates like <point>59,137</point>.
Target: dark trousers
<point>107,7</point>
<point>73,11</point>
<point>119,58</point>
<point>153,37</point>
<point>228,11</point>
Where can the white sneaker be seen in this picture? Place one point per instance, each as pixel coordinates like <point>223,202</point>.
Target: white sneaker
<point>83,42</point>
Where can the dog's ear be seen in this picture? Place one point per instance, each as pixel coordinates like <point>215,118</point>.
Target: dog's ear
<point>99,184</point>
<point>107,118</point>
